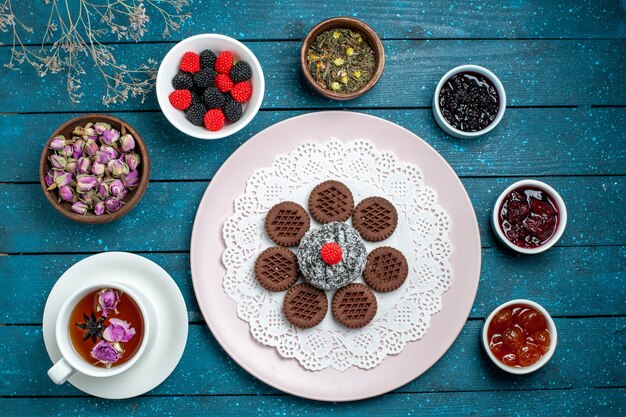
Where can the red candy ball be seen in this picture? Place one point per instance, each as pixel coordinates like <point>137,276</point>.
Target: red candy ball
<point>331,253</point>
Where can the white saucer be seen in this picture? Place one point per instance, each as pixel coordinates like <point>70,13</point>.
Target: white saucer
<point>169,313</point>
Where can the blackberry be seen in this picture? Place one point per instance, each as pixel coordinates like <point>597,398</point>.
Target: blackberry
<point>195,114</point>
<point>182,81</point>
<point>240,72</point>
<point>213,98</point>
<point>204,78</point>
<point>196,97</point>
<point>232,110</point>
<point>207,59</point>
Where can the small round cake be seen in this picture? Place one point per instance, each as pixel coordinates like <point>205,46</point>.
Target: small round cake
<point>331,256</point>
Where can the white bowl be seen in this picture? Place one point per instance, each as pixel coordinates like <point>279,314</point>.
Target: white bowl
<point>447,127</point>
<point>495,218</point>
<point>217,43</point>
<point>544,359</point>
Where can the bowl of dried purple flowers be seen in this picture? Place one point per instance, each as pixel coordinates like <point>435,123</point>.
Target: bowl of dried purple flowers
<point>94,168</point>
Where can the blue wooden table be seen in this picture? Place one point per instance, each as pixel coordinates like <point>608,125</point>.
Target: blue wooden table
<point>563,64</point>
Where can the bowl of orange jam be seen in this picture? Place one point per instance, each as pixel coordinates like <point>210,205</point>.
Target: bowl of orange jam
<point>519,336</point>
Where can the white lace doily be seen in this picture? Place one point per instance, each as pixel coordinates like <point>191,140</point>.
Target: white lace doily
<point>422,235</point>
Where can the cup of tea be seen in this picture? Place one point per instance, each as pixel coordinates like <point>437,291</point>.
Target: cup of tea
<point>102,330</point>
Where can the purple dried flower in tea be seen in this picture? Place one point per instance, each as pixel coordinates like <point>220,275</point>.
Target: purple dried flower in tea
<point>118,331</point>
<point>107,301</point>
<point>105,353</point>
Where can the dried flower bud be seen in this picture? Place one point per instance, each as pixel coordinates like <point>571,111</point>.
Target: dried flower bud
<point>99,208</point>
<point>57,161</point>
<point>49,179</point>
<point>60,178</point>
<point>127,143</point>
<point>91,147</point>
<point>132,179</point>
<point>105,154</point>
<point>103,191</point>
<point>72,166</point>
<point>89,131</point>
<point>67,151</point>
<point>79,207</point>
<point>85,183</point>
<point>83,166</point>
<point>112,205</point>
<point>58,143</point>
<point>101,127</point>
<point>66,193</point>
<point>89,198</point>
<point>97,169</point>
<point>78,131</point>
<point>78,146</point>
<point>132,160</point>
<point>116,188</point>
<point>117,167</point>
<point>110,136</point>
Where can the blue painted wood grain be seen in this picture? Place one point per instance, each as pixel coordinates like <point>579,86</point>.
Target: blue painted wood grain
<point>531,71</point>
<point>291,19</point>
<point>569,281</point>
<point>529,141</point>
<point>566,123</point>
<point>163,219</point>
<point>579,402</point>
<point>205,368</point>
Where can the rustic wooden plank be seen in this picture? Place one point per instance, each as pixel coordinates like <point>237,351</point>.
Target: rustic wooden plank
<point>531,71</point>
<point>592,360</point>
<point>568,281</point>
<point>581,402</point>
<point>163,219</point>
<point>393,19</point>
<point>553,141</point>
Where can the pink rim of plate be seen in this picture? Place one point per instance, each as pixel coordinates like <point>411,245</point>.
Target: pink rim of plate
<point>220,312</point>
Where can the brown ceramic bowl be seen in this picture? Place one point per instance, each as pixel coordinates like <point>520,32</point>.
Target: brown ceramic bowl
<point>357,26</point>
<point>130,200</point>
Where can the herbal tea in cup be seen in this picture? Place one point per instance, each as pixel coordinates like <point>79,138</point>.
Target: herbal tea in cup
<point>106,327</point>
<point>101,330</point>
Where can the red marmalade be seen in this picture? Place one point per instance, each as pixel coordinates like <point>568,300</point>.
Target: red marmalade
<point>529,217</point>
<point>518,335</point>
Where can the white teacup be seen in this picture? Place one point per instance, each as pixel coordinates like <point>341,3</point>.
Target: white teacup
<point>71,361</point>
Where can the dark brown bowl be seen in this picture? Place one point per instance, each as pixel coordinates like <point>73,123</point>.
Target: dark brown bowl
<point>130,200</point>
<point>357,26</point>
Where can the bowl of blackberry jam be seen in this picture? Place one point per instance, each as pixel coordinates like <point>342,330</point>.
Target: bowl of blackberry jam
<point>529,217</point>
<point>469,101</point>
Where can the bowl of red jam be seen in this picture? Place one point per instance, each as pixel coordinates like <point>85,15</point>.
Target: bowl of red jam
<point>469,101</point>
<point>529,217</point>
<point>519,336</point>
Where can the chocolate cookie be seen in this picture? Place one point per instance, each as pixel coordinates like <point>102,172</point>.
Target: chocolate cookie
<point>305,306</point>
<point>276,268</point>
<point>331,201</point>
<point>286,223</point>
<point>375,218</point>
<point>386,269</point>
<point>354,305</point>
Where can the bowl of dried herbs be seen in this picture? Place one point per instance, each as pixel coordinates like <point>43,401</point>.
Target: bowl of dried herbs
<point>342,58</point>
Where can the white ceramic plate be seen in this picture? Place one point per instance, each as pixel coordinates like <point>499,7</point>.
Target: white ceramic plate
<point>220,311</point>
<point>169,321</point>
